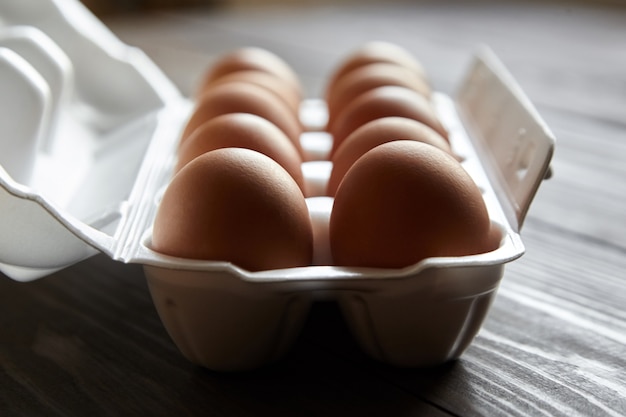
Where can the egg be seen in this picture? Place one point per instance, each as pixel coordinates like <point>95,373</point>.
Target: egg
<point>242,130</point>
<point>375,52</point>
<point>263,79</point>
<point>384,102</point>
<point>252,58</point>
<point>371,76</point>
<point>235,205</point>
<point>376,133</point>
<point>404,201</point>
<point>242,97</point>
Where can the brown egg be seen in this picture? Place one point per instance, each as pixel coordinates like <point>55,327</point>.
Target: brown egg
<point>384,102</point>
<point>405,201</point>
<point>235,205</point>
<point>375,52</point>
<point>376,133</point>
<point>370,76</point>
<point>242,97</point>
<point>243,130</point>
<point>264,79</point>
<point>253,58</point>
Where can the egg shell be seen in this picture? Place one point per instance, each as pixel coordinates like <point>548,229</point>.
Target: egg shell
<point>384,102</point>
<point>253,58</point>
<point>375,52</point>
<point>376,133</point>
<point>243,130</point>
<point>271,82</point>
<point>235,205</point>
<point>371,76</point>
<point>405,201</point>
<point>241,97</point>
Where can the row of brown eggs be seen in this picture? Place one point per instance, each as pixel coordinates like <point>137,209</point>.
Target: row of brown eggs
<point>399,195</point>
<point>372,83</point>
<point>237,190</point>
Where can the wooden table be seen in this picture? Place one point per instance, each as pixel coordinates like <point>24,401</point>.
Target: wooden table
<point>87,340</point>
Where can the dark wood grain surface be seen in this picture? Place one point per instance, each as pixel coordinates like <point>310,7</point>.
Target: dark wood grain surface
<point>87,340</point>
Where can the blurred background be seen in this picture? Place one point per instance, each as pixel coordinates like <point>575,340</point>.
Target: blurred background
<point>112,7</point>
<point>185,36</point>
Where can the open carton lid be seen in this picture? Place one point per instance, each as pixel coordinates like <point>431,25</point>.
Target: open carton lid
<point>76,143</point>
<point>80,171</point>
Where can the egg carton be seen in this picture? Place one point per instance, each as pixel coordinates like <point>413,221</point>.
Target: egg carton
<point>90,132</point>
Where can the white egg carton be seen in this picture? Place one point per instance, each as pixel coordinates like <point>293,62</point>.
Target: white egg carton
<point>89,134</point>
